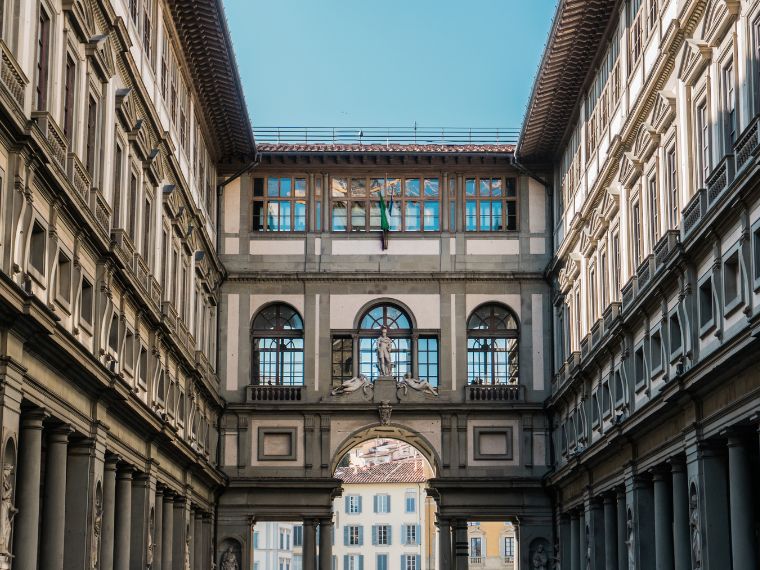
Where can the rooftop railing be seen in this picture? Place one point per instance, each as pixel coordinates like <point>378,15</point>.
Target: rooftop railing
<point>386,135</point>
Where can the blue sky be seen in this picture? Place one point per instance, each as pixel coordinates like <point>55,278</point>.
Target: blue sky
<point>388,63</point>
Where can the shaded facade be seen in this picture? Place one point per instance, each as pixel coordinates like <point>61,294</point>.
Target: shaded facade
<point>654,394</point>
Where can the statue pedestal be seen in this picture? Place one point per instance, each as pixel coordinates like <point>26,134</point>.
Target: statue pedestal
<point>5,561</point>
<point>385,389</point>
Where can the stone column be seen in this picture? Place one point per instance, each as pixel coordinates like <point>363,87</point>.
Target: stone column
<point>190,538</point>
<point>167,531</point>
<point>81,491</point>
<point>310,544</point>
<point>663,521</point>
<point>679,488</point>
<point>141,501</point>
<point>610,533</point>
<point>461,548</point>
<point>26,529</point>
<point>444,543</point>
<point>740,500</point>
<point>208,549</point>
<point>582,540</point>
<point>109,512</point>
<point>575,555</point>
<point>641,500</point>
<point>54,501</point>
<point>564,540</point>
<point>158,528</point>
<point>198,541</point>
<point>123,519</point>
<point>325,543</point>
<point>622,550</point>
<point>181,508</point>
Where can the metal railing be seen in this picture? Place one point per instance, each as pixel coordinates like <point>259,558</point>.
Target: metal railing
<point>387,135</point>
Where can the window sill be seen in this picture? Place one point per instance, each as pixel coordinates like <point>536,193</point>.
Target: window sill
<point>676,355</point>
<point>85,326</point>
<point>732,306</point>
<point>63,303</point>
<point>39,278</point>
<point>706,329</point>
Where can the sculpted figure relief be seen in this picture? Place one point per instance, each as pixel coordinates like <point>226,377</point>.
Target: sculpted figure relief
<point>696,534</point>
<point>384,357</point>
<point>151,530</point>
<point>229,560</point>
<point>8,510</point>
<point>187,550</point>
<point>629,542</point>
<point>96,530</point>
<point>418,385</point>
<point>352,385</point>
<point>540,560</point>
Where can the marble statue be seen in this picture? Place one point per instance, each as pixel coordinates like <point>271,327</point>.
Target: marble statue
<point>588,548</point>
<point>229,560</point>
<point>419,385</point>
<point>352,385</point>
<point>97,526</point>
<point>151,530</point>
<point>629,542</point>
<point>694,530</point>
<point>540,561</point>
<point>187,550</point>
<point>384,357</point>
<point>8,511</point>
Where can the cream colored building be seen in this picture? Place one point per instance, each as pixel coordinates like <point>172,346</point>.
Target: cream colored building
<point>492,545</point>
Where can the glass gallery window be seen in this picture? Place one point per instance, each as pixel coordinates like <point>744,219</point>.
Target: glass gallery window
<point>413,352</point>
<point>490,204</point>
<point>414,204</point>
<point>279,204</point>
<point>277,337</point>
<point>492,346</point>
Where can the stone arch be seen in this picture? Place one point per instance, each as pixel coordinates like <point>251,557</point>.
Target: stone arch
<point>388,431</point>
<point>385,301</point>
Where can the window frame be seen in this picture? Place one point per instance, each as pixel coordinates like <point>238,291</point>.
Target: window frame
<point>706,325</point>
<point>292,200</point>
<point>732,257</point>
<point>279,335</point>
<point>492,334</point>
<point>505,200</point>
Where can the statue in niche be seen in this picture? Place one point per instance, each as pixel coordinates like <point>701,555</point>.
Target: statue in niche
<point>229,560</point>
<point>694,530</point>
<point>97,526</point>
<point>187,550</point>
<point>151,530</point>
<point>360,382</point>
<point>419,385</point>
<point>384,357</point>
<point>8,510</point>
<point>540,560</point>
<point>588,548</point>
<point>629,542</point>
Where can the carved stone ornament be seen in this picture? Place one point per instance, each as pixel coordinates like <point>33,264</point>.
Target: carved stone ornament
<point>629,541</point>
<point>384,354</point>
<point>360,382</point>
<point>422,386</point>
<point>384,410</point>
<point>97,526</point>
<point>187,549</point>
<point>229,560</point>
<point>8,512</point>
<point>695,532</point>
<point>151,531</point>
<point>539,560</point>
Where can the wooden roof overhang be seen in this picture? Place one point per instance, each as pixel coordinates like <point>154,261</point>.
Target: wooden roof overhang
<point>205,38</point>
<point>572,49</point>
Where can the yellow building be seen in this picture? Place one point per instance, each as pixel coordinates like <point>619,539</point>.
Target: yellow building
<point>492,545</point>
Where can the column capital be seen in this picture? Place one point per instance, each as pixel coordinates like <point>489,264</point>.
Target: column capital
<point>325,521</point>
<point>125,471</point>
<point>608,499</point>
<point>620,493</point>
<point>33,418</point>
<point>310,522</point>
<point>60,433</point>
<point>677,464</point>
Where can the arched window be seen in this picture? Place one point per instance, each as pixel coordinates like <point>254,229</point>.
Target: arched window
<point>399,327</point>
<point>277,334</point>
<point>492,342</point>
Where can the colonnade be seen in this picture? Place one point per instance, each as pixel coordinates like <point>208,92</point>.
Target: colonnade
<point>693,510</point>
<point>321,560</point>
<point>80,505</point>
<point>453,546</point>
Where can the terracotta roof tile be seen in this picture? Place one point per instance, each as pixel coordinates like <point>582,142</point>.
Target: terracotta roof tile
<point>412,471</point>
<point>384,148</point>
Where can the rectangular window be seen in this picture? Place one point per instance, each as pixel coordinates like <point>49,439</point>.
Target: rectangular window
<point>117,181</point>
<point>131,210</point>
<point>490,204</point>
<point>595,415</point>
<point>636,234</point>
<point>113,333</point>
<point>674,334</point>
<point>87,302</point>
<point>639,366</point>
<point>281,206</point>
<point>298,535</point>
<point>619,388</point>
<point>703,145</point>
<point>382,503</point>
<point>476,550</point>
<point>729,106</point>
<point>147,230</point>
<point>592,293</point>
<point>410,534</point>
<point>654,206</point>
<point>342,359</point>
<point>635,33</point>
<point>69,87</point>
<point>353,504</point>
<point>410,502</point>
<point>672,177</point>
<point>165,64</point>
<point>706,305</point>
<point>427,359</point>
<point>452,204</point>
<point>732,292</point>
<point>606,398</point>
<point>147,34</point>
<point>353,533</point>
<point>616,267</point>
<point>509,547</point>
<point>318,203</point>
<point>383,535</point>
<point>382,562</point>
<point>756,255</point>
<point>603,276</point>
<point>129,349</point>
<point>410,562</point>
<point>655,349</point>
<point>134,11</point>
<point>38,248</point>
<point>63,285</point>
<point>143,362</point>
<point>92,133</point>
<point>43,59</point>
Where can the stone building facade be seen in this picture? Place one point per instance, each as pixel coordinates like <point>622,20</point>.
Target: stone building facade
<point>649,139</point>
<point>110,149</point>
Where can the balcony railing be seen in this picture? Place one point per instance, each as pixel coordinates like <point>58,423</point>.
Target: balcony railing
<point>386,136</point>
<point>665,247</point>
<point>694,211</point>
<point>78,177</point>
<point>493,392</point>
<point>11,75</point>
<point>747,144</point>
<point>719,180</point>
<point>644,272</point>
<point>54,136</point>
<point>629,292</point>
<point>265,393</point>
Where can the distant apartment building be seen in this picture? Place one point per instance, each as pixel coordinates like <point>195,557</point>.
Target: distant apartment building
<point>277,546</point>
<point>384,520</point>
<point>492,545</point>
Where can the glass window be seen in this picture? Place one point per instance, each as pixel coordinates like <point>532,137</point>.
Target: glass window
<point>353,504</point>
<point>509,546</point>
<point>399,329</point>
<point>278,346</point>
<point>410,533</point>
<point>476,549</point>
<point>427,359</point>
<point>298,535</point>
<point>492,346</point>
<point>382,503</point>
<point>410,502</point>
<point>490,204</point>
<point>411,562</point>
<point>382,562</point>
<point>412,204</point>
<point>281,206</point>
<point>342,359</point>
